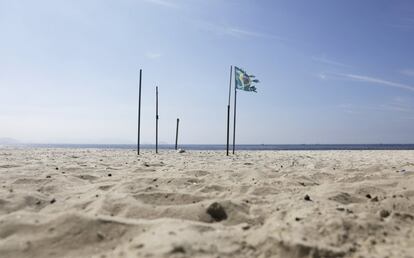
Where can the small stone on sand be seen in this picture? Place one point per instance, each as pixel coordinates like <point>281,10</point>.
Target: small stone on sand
<point>100,236</point>
<point>384,213</point>
<point>246,227</point>
<point>178,249</point>
<point>217,212</point>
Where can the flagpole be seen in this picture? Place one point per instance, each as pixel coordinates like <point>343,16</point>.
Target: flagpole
<point>234,122</point>
<point>228,113</point>
<point>176,134</point>
<point>139,112</point>
<point>156,119</point>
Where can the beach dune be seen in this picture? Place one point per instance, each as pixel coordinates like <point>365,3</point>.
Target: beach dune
<point>113,203</point>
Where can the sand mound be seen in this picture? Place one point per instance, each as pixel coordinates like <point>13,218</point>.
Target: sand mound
<point>65,235</point>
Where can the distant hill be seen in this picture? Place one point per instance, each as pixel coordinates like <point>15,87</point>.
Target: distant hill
<point>8,141</point>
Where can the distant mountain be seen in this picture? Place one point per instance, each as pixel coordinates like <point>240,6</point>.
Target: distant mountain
<point>8,141</point>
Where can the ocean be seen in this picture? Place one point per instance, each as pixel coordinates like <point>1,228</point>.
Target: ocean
<point>255,147</point>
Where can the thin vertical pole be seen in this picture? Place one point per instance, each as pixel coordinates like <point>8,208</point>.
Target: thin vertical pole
<point>234,122</point>
<point>176,134</point>
<point>156,119</point>
<point>139,112</point>
<point>228,114</point>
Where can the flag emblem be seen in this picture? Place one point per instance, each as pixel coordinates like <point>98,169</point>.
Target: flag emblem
<point>245,81</point>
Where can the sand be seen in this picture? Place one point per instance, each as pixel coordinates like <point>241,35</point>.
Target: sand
<point>111,203</point>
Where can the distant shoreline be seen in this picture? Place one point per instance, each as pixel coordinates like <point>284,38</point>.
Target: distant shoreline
<point>213,147</point>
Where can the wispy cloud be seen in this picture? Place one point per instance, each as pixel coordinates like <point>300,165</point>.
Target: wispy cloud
<point>324,60</point>
<point>408,72</point>
<point>400,104</point>
<point>235,31</point>
<point>396,105</point>
<point>373,80</point>
<point>164,3</point>
<point>153,55</point>
<point>368,79</point>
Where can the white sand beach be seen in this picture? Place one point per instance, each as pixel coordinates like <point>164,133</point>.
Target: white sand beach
<point>111,203</point>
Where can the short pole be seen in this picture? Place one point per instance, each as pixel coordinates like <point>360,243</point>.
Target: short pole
<point>176,134</point>
<point>139,112</point>
<point>156,119</point>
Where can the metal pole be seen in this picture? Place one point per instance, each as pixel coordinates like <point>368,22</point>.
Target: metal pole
<point>176,134</point>
<point>156,119</point>
<point>139,112</point>
<point>228,114</point>
<point>234,122</point>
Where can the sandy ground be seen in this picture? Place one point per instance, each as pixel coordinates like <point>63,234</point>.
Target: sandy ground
<point>111,203</point>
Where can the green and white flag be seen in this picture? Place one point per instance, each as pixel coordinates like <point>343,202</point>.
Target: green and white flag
<point>244,81</point>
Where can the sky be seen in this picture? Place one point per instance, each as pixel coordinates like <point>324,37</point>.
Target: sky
<point>330,71</point>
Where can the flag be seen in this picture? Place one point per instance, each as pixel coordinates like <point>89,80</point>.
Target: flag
<point>244,81</point>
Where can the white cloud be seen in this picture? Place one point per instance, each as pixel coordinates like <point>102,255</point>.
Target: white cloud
<point>322,76</point>
<point>393,106</point>
<point>153,55</point>
<point>247,33</point>
<point>373,80</point>
<point>234,31</point>
<point>324,60</point>
<point>368,79</point>
<point>164,3</point>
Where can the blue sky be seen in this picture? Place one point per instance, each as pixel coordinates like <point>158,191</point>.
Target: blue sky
<point>330,71</point>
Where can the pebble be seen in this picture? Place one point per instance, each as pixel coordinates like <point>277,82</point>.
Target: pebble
<point>307,198</point>
<point>178,249</point>
<point>246,227</point>
<point>384,213</point>
<point>216,211</point>
<point>100,236</point>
